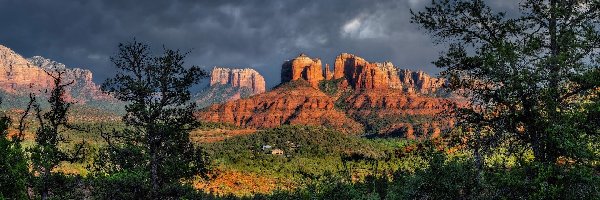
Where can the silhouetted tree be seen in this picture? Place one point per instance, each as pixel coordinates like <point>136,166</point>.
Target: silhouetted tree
<point>531,77</point>
<point>159,114</point>
<point>46,153</point>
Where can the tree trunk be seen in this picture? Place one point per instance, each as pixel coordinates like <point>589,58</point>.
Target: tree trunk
<point>537,147</point>
<point>44,192</point>
<point>154,173</point>
<point>554,54</point>
<point>554,47</point>
<point>477,150</point>
<point>541,138</point>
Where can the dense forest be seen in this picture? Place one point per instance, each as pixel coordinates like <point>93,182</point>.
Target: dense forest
<point>530,129</point>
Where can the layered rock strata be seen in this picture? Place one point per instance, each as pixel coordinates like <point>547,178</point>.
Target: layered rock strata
<point>238,78</point>
<point>20,76</point>
<point>303,67</point>
<point>364,75</point>
<point>294,103</point>
<point>378,97</point>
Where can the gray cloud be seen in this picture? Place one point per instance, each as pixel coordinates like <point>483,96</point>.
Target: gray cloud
<point>259,34</point>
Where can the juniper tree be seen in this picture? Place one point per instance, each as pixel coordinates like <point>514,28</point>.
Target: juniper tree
<point>159,113</point>
<point>532,77</point>
<point>46,154</point>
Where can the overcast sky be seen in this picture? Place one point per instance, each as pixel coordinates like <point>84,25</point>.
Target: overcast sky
<point>260,34</point>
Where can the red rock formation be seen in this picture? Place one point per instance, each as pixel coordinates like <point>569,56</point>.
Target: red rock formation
<point>327,73</point>
<point>302,67</point>
<point>375,94</point>
<point>345,60</point>
<point>286,104</point>
<point>238,78</point>
<point>363,75</point>
<point>230,84</point>
<point>390,74</point>
<point>399,100</point>
<point>19,75</point>
<point>414,115</point>
<point>22,76</point>
<point>420,82</point>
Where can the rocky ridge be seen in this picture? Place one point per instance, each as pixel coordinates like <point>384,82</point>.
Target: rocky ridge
<point>378,97</point>
<point>360,74</point>
<point>20,76</point>
<point>364,75</point>
<point>292,103</point>
<point>368,97</point>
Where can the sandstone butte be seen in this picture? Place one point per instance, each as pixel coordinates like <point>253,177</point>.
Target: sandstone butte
<point>239,78</point>
<point>20,76</point>
<point>368,90</point>
<point>227,84</point>
<point>303,67</point>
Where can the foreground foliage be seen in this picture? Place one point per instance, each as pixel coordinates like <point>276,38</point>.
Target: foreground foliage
<point>13,164</point>
<point>530,77</point>
<point>154,153</point>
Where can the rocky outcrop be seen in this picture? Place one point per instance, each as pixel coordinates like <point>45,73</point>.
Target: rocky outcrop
<point>228,84</point>
<point>420,82</point>
<point>397,113</point>
<point>346,62</point>
<point>360,74</point>
<point>364,75</point>
<point>327,73</point>
<point>292,103</point>
<point>302,67</point>
<point>388,100</point>
<point>20,76</point>
<point>248,78</point>
<point>362,97</point>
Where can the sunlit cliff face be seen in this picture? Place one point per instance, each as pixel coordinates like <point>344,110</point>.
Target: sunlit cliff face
<point>365,89</point>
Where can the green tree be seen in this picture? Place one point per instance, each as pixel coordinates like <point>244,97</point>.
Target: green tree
<point>159,114</point>
<point>46,153</point>
<point>13,163</point>
<point>528,75</point>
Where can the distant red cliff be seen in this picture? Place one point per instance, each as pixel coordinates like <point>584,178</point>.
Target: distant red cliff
<point>228,84</point>
<point>248,78</point>
<point>20,76</point>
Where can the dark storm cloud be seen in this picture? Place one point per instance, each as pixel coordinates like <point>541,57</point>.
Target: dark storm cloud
<point>258,34</point>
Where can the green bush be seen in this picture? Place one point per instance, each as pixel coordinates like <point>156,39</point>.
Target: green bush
<point>543,181</point>
<point>13,165</point>
<point>330,87</point>
<point>122,185</point>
